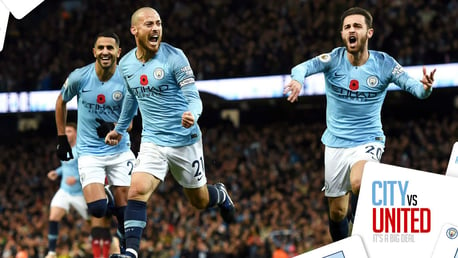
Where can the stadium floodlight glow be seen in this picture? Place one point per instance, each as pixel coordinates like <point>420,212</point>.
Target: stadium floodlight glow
<point>234,89</point>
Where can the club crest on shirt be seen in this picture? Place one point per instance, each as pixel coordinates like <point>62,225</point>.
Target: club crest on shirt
<point>325,57</point>
<point>117,95</point>
<point>158,73</point>
<point>372,81</point>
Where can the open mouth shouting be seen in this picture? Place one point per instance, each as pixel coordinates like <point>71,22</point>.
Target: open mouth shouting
<point>352,41</point>
<point>153,39</point>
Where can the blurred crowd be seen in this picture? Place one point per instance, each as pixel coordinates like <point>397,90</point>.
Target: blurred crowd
<point>274,172</point>
<point>222,38</point>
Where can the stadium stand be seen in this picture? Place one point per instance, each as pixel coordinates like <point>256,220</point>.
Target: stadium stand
<point>272,162</point>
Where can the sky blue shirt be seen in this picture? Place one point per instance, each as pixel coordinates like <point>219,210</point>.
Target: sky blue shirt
<point>355,94</point>
<point>96,99</point>
<point>163,88</point>
<point>67,169</point>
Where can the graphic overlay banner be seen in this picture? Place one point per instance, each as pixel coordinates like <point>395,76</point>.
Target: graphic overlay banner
<point>350,247</point>
<point>452,168</point>
<point>447,242</point>
<point>4,15</point>
<point>401,211</point>
<point>19,9</point>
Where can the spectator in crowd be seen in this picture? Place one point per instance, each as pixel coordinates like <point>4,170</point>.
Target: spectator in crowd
<point>264,31</point>
<point>266,178</point>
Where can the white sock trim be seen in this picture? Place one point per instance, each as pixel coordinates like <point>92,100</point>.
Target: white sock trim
<point>132,251</point>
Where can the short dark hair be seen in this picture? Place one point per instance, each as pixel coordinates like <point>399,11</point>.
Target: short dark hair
<point>71,124</point>
<point>357,10</point>
<point>109,34</point>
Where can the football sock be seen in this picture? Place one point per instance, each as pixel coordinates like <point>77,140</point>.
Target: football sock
<point>119,213</point>
<point>353,203</point>
<point>99,236</point>
<point>216,196</point>
<point>52,235</point>
<point>96,249</point>
<point>106,245</point>
<point>134,222</point>
<point>338,230</point>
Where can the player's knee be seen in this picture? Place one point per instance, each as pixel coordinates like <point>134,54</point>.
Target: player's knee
<point>355,185</point>
<point>337,214</point>
<point>97,208</point>
<point>140,191</point>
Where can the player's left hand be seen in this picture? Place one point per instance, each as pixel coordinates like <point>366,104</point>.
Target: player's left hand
<point>71,180</point>
<point>187,119</point>
<point>428,79</point>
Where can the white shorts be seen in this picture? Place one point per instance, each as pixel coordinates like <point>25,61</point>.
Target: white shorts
<point>116,168</point>
<point>64,200</point>
<point>338,163</point>
<point>185,163</point>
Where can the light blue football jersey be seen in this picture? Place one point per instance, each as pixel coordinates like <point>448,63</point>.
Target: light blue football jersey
<point>96,99</point>
<point>67,169</point>
<point>355,94</point>
<point>163,88</point>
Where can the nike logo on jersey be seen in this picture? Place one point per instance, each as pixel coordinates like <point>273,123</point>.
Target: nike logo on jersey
<point>338,74</point>
<point>84,90</point>
<point>129,76</point>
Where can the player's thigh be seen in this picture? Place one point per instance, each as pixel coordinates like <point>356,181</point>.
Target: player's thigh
<point>94,192</point>
<point>60,204</point>
<point>187,165</point>
<point>56,213</point>
<point>152,159</point>
<point>142,186</point>
<point>336,172</point>
<point>150,168</point>
<point>79,203</point>
<point>119,168</point>
<point>360,155</point>
<point>92,170</point>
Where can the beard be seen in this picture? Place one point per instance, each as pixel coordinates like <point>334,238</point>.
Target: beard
<point>105,64</point>
<point>357,47</point>
<point>145,44</point>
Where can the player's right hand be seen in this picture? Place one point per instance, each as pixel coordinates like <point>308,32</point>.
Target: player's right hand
<point>52,175</point>
<point>293,88</point>
<point>113,138</point>
<point>64,150</point>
